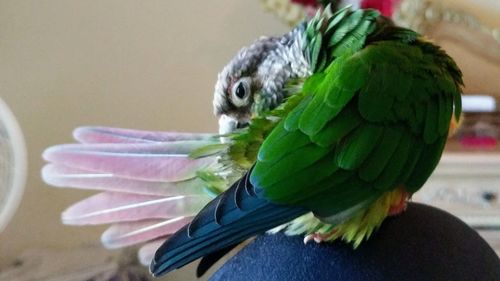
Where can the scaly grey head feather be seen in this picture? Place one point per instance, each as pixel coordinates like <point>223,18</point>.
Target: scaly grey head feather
<point>264,69</point>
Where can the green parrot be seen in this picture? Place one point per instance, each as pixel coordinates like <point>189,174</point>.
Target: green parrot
<point>323,132</point>
<point>347,116</point>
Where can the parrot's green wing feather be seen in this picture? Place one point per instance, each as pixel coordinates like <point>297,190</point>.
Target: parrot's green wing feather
<point>428,160</point>
<point>374,120</point>
<point>355,148</point>
<point>330,37</point>
<point>338,127</point>
<point>380,158</point>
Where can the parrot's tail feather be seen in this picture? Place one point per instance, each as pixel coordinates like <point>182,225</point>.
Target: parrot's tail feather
<point>119,161</point>
<point>63,176</point>
<point>110,207</point>
<point>147,251</point>
<point>209,260</point>
<point>118,135</point>
<point>227,220</point>
<point>131,233</point>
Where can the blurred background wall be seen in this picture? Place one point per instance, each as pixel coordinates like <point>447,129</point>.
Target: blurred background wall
<point>127,63</point>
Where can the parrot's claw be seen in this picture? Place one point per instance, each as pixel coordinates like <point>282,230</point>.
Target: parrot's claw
<point>312,237</point>
<point>316,237</point>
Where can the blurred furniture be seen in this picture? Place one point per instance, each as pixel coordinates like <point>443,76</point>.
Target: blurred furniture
<point>467,184</point>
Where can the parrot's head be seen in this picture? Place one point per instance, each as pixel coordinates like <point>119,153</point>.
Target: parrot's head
<point>253,81</point>
<point>240,85</point>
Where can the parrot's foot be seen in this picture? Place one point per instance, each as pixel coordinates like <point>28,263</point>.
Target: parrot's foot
<point>399,207</point>
<point>318,237</point>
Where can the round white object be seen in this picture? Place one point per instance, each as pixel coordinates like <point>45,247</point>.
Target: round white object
<point>13,165</point>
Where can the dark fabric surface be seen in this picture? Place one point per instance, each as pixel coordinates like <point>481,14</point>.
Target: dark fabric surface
<point>424,243</point>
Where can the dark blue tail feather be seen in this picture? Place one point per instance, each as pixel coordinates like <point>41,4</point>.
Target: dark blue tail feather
<point>227,220</point>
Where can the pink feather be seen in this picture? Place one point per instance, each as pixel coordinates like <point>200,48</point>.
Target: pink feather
<point>131,233</point>
<point>147,252</point>
<point>173,147</point>
<point>110,207</point>
<point>118,135</point>
<point>63,176</point>
<point>146,167</point>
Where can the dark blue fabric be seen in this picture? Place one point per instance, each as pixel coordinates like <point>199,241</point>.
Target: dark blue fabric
<point>423,243</point>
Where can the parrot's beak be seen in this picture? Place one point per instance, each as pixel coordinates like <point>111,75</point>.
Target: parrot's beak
<point>228,124</point>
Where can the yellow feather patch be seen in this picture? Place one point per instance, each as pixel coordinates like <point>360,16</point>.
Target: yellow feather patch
<point>356,229</point>
<point>363,224</point>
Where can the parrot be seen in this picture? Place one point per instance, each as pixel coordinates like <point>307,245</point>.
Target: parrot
<point>323,132</point>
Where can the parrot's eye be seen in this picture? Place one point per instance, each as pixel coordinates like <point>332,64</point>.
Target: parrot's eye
<point>240,92</point>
